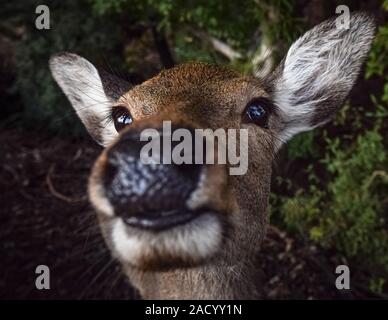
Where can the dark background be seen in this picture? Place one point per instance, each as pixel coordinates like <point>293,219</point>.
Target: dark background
<point>329,203</point>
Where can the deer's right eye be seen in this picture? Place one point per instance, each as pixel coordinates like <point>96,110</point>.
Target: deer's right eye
<point>121,117</point>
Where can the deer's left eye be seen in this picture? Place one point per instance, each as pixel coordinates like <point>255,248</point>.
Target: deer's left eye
<point>121,117</point>
<point>257,112</point>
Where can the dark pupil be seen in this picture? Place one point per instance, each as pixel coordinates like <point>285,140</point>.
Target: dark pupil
<point>256,112</point>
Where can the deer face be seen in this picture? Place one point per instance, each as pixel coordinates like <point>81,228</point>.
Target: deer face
<point>157,216</point>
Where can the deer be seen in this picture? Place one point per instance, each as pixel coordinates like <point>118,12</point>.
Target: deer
<point>193,231</point>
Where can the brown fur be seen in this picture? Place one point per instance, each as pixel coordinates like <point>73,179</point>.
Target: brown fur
<point>307,87</point>
<point>206,96</point>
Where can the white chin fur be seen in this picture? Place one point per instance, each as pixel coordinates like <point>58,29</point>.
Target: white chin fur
<point>194,241</point>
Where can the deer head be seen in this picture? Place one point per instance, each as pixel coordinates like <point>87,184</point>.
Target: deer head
<point>192,230</point>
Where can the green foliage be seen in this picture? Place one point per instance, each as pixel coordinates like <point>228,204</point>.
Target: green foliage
<point>350,213</point>
<point>231,19</point>
<point>337,199</point>
<point>344,205</point>
<point>376,284</point>
<point>72,29</point>
<point>235,22</point>
<point>279,21</point>
<point>303,145</point>
<point>187,48</point>
<point>378,61</point>
<point>95,29</point>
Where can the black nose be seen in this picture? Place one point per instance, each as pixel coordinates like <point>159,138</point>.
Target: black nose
<point>148,195</point>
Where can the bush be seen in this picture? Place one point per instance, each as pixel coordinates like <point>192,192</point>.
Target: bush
<point>343,205</point>
<point>349,214</point>
<point>106,28</point>
<point>73,28</point>
<point>338,196</point>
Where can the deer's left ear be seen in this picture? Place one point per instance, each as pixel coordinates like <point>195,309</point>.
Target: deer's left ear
<point>318,72</point>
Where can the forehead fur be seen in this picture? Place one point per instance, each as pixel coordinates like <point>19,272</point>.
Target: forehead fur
<point>185,78</point>
<point>191,90</point>
<point>193,73</point>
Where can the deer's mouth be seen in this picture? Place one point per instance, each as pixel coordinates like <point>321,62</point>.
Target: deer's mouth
<point>163,219</point>
<point>163,242</point>
<point>163,238</point>
<point>154,221</point>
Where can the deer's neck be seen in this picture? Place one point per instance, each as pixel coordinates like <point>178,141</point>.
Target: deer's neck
<point>211,282</point>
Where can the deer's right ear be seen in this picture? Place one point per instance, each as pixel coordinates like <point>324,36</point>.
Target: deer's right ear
<point>318,72</point>
<point>83,86</point>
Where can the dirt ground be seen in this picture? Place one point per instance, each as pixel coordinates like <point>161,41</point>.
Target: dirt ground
<point>45,219</point>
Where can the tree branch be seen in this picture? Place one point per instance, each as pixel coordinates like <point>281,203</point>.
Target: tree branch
<point>163,48</point>
<point>217,44</point>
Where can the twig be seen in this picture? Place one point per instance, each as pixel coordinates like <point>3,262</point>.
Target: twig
<point>217,44</point>
<point>57,194</point>
<point>12,171</point>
